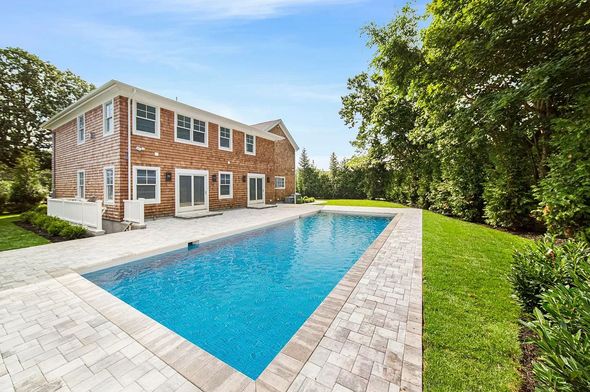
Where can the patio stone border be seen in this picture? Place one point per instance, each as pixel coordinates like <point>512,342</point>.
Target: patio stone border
<point>205,370</point>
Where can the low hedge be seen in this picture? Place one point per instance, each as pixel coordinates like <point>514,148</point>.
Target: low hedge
<point>52,225</point>
<point>552,283</point>
<point>305,199</point>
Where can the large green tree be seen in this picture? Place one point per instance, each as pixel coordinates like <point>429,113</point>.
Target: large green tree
<point>463,111</point>
<point>31,91</point>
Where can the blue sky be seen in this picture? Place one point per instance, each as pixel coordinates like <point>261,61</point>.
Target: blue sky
<point>251,60</point>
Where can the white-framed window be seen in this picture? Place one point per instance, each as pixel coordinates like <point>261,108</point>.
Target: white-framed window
<point>109,185</point>
<point>190,130</point>
<point>81,128</point>
<point>108,118</point>
<point>81,184</point>
<point>147,184</point>
<point>225,138</point>
<point>279,182</point>
<point>226,185</point>
<point>250,144</point>
<point>146,120</point>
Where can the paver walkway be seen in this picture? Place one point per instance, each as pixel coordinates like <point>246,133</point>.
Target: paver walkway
<point>51,338</point>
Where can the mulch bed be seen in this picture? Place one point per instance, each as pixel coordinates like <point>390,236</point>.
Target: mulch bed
<point>38,231</point>
<point>529,353</point>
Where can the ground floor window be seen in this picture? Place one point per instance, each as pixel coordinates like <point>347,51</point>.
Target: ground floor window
<point>225,185</point>
<point>147,184</point>
<point>279,182</point>
<point>109,185</point>
<point>81,184</point>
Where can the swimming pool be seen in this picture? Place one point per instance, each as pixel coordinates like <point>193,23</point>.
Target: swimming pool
<point>243,297</point>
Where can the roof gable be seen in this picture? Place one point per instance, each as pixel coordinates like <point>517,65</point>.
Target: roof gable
<point>267,126</point>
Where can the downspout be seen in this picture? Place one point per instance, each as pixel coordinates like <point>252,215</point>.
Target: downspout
<point>129,114</point>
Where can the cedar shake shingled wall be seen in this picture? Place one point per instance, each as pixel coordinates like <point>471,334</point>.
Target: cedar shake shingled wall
<point>92,156</point>
<point>284,163</point>
<point>173,155</point>
<point>272,158</point>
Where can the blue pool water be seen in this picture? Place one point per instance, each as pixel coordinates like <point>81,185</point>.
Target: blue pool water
<point>242,298</point>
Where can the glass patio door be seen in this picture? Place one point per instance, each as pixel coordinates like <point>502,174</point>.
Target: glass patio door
<point>191,190</point>
<point>255,189</point>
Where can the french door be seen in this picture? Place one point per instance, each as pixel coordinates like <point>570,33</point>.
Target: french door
<point>255,188</point>
<point>192,190</point>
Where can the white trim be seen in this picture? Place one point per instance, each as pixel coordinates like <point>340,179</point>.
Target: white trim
<point>157,125</point>
<point>157,169</point>
<point>271,124</point>
<point>78,140</point>
<point>284,182</point>
<point>231,185</point>
<point>256,175</point>
<point>78,195</point>
<point>246,144</point>
<point>176,139</point>
<point>192,173</point>
<point>104,185</point>
<point>114,88</point>
<point>231,138</point>
<point>104,117</point>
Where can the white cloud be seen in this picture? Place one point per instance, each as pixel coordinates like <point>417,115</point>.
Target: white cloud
<point>232,9</point>
<point>146,46</point>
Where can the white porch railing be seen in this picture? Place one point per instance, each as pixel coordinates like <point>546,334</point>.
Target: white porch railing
<point>81,212</point>
<point>134,211</point>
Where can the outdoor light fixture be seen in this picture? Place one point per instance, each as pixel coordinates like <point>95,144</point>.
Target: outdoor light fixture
<point>244,178</point>
<point>214,178</point>
<point>267,179</point>
<point>168,176</point>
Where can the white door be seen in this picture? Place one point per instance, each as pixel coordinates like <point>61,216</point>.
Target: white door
<point>192,190</point>
<point>255,188</point>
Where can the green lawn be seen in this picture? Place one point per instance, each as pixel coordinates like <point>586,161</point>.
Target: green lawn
<point>362,203</point>
<point>470,320</point>
<point>14,237</point>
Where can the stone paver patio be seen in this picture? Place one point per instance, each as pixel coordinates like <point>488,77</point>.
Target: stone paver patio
<point>60,332</point>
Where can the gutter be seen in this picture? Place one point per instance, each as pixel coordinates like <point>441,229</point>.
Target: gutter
<point>102,89</point>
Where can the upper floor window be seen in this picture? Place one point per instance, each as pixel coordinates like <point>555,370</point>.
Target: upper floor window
<point>81,129</point>
<point>191,130</point>
<point>225,185</point>
<point>146,120</point>
<point>225,139</point>
<point>80,184</point>
<point>279,182</point>
<point>250,143</point>
<point>147,184</point>
<point>108,118</point>
<point>109,185</point>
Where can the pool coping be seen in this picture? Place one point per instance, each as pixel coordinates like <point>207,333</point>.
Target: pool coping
<point>203,369</point>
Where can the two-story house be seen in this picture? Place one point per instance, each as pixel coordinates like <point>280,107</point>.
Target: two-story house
<point>120,142</point>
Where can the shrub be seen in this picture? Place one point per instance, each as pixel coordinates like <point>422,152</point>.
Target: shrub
<point>27,190</point>
<point>5,189</point>
<point>564,194</point>
<point>562,329</point>
<point>52,225</point>
<point>544,265</point>
<point>55,226</point>
<point>72,231</point>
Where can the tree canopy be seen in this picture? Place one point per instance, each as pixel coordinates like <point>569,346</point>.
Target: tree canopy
<point>471,113</point>
<point>31,91</point>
